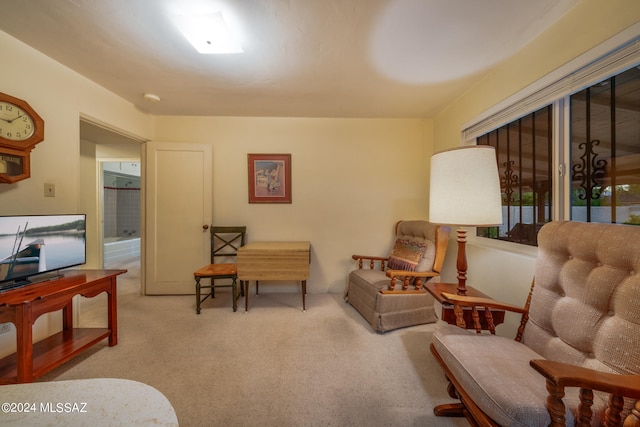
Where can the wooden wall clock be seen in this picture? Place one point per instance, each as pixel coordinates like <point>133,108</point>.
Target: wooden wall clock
<point>21,128</point>
<point>15,165</point>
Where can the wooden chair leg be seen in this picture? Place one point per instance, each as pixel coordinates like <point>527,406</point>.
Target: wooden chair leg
<point>451,390</point>
<point>449,410</point>
<point>234,294</point>
<point>633,419</point>
<point>197,295</point>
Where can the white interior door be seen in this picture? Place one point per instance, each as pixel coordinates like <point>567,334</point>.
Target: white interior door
<point>178,204</point>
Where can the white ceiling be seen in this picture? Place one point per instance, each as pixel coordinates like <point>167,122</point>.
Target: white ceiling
<point>303,58</point>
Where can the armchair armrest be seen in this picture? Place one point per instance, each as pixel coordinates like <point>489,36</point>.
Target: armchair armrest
<point>460,301</point>
<point>393,274</point>
<point>560,375</point>
<point>372,260</point>
<point>418,277</point>
<point>467,301</point>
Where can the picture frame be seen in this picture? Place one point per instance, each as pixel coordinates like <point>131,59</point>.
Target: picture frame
<point>269,178</point>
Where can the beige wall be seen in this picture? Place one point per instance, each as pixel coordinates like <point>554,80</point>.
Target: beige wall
<point>61,97</point>
<point>352,180</point>
<point>587,25</point>
<point>505,270</point>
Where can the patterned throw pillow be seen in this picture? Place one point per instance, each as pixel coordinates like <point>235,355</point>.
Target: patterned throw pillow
<point>406,255</point>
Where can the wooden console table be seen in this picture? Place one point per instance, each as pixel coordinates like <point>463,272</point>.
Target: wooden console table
<point>22,306</point>
<point>274,261</point>
<point>449,316</point>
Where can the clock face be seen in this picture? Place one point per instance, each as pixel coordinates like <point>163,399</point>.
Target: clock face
<point>15,123</point>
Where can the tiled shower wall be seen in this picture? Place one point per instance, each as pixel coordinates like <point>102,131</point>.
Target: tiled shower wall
<point>121,205</point>
<point>121,213</point>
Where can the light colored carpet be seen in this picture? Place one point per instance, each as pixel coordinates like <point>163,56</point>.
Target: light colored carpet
<point>273,366</point>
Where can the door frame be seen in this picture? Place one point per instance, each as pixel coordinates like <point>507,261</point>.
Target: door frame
<point>106,135</point>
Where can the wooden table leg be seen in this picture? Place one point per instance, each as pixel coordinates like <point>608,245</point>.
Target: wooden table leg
<point>304,293</point>
<point>246,295</point>
<point>67,316</point>
<point>24,342</point>
<point>112,309</point>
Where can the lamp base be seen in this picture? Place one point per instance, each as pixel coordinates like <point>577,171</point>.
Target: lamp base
<point>461,263</point>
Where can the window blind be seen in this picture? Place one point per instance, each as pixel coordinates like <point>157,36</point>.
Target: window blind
<point>540,93</point>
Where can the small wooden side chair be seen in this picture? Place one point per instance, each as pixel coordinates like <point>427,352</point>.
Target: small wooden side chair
<point>225,242</point>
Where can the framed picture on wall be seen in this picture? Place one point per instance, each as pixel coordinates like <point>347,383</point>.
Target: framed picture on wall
<point>269,178</point>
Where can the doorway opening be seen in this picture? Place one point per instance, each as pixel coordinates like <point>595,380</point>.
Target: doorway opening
<point>121,212</point>
<point>110,176</point>
<point>102,145</point>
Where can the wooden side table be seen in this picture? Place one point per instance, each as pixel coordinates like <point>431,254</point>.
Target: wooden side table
<point>436,289</point>
<point>23,306</point>
<point>274,261</point>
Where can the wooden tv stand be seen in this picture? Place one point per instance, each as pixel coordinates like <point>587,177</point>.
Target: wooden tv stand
<point>22,307</point>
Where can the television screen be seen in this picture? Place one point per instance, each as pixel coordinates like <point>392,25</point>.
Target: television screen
<point>37,244</point>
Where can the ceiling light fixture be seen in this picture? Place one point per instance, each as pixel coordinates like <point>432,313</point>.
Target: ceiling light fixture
<point>208,33</point>
<point>151,97</point>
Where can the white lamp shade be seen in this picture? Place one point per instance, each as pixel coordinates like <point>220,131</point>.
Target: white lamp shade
<point>465,187</point>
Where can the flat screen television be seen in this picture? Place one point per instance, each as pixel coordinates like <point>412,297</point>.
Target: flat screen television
<point>36,247</point>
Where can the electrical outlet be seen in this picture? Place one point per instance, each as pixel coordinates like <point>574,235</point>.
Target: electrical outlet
<point>4,328</point>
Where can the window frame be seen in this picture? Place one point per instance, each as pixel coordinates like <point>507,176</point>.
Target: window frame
<point>610,58</point>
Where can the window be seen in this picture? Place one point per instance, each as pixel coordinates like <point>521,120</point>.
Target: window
<point>523,150</point>
<point>591,172</point>
<point>605,150</point>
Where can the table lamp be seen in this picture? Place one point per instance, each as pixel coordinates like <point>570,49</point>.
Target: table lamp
<point>465,191</point>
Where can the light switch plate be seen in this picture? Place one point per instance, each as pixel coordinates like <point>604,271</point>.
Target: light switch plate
<point>49,190</point>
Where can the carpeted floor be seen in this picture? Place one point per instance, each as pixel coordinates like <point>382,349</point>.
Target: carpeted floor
<point>273,366</point>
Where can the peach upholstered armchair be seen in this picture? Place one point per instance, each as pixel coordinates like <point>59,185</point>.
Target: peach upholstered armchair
<point>389,291</point>
<point>576,356</point>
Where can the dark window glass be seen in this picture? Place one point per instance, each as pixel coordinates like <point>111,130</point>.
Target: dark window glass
<point>523,150</point>
<point>605,151</point>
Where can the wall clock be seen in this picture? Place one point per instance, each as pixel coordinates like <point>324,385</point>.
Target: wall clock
<point>20,126</point>
<point>15,165</point>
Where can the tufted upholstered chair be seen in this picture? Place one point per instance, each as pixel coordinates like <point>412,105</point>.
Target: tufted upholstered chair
<point>388,291</point>
<point>581,328</point>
